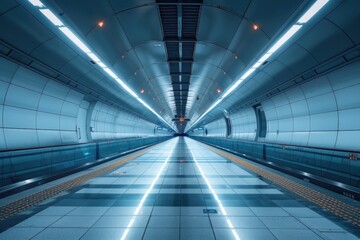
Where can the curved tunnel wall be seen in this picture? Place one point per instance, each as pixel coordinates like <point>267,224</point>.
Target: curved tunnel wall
<point>36,111</point>
<point>111,123</point>
<point>323,112</point>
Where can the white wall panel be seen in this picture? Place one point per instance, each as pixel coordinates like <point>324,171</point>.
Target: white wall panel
<point>299,108</point>
<point>286,125</point>
<point>47,121</point>
<point>3,89</point>
<point>322,139</point>
<point>284,111</point>
<point>324,121</point>
<point>300,138</point>
<point>47,138</point>
<point>68,137</point>
<point>50,104</point>
<point>322,103</point>
<point>57,90</point>
<point>7,70</point>
<point>280,100</point>
<point>74,97</point>
<point>348,140</point>
<point>312,89</point>
<point>1,115</point>
<point>295,94</point>
<point>346,76</point>
<point>29,79</point>
<point>284,137</point>
<point>302,124</point>
<point>67,123</point>
<point>2,139</point>
<point>69,109</point>
<point>346,97</point>
<point>349,119</point>
<point>20,138</point>
<point>22,97</point>
<point>19,118</point>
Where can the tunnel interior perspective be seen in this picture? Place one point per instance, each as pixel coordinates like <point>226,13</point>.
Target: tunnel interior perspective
<point>180,119</point>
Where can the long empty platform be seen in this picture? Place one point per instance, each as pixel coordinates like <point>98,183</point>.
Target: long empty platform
<point>179,189</point>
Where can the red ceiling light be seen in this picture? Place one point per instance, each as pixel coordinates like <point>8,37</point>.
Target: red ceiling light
<point>182,119</point>
<point>218,90</point>
<point>142,91</point>
<point>100,24</point>
<point>255,26</point>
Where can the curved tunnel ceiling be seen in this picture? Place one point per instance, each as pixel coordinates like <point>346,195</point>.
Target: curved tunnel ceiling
<point>178,56</point>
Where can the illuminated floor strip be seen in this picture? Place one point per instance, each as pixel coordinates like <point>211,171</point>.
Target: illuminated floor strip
<point>138,208</point>
<point>223,211</point>
<point>24,203</point>
<point>343,210</point>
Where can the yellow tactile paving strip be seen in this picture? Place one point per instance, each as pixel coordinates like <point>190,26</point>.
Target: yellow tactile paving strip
<point>24,203</point>
<point>328,203</point>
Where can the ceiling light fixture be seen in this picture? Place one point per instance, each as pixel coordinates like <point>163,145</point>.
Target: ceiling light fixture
<point>82,46</point>
<point>49,15</point>
<point>315,8</point>
<point>100,24</point>
<point>255,27</point>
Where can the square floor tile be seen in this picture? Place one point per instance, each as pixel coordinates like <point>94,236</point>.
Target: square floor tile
<point>237,222</point>
<point>127,211</point>
<point>339,236</point>
<point>301,212</point>
<point>164,221</point>
<point>38,221</point>
<point>166,211</point>
<point>244,234</point>
<point>194,222</point>
<point>236,211</point>
<point>122,221</point>
<point>113,233</point>
<point>196,233</point>
<point>269,211</point>
<point>163,234</point>
<point>88,211</point>
<point>193,211</point>
<point>65,233</point>
<point>320,224</point>
<point>56,211</point>
<point>19,233</point>
<point>295,234</point>
<point>282,222</point>
<point>76,221</point>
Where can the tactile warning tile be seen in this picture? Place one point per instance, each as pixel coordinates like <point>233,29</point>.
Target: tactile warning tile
<point>333,205</point>
<point>24,203</point>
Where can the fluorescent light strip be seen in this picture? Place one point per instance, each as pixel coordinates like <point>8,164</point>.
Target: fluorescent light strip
<point>69,34</point>
<point>291,32</point>
<point>94,57</point>
<point>138,208</point>
<point>316,7</point>
<point>223,211</point>
<point>36,3</point>
<point>49,15</point>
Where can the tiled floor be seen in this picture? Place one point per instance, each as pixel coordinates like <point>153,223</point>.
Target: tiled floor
<point>178,190</point>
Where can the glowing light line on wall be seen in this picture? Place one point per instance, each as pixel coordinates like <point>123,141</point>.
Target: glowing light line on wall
<point>83,47</point>
<point>311,12</point>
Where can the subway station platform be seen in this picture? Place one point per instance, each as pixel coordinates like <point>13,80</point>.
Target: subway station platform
<point>179,189</point>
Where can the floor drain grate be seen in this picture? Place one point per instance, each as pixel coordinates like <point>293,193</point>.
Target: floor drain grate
<point>212,211</point>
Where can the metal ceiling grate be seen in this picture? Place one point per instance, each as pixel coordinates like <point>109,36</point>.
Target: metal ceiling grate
<point>180,25</point>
